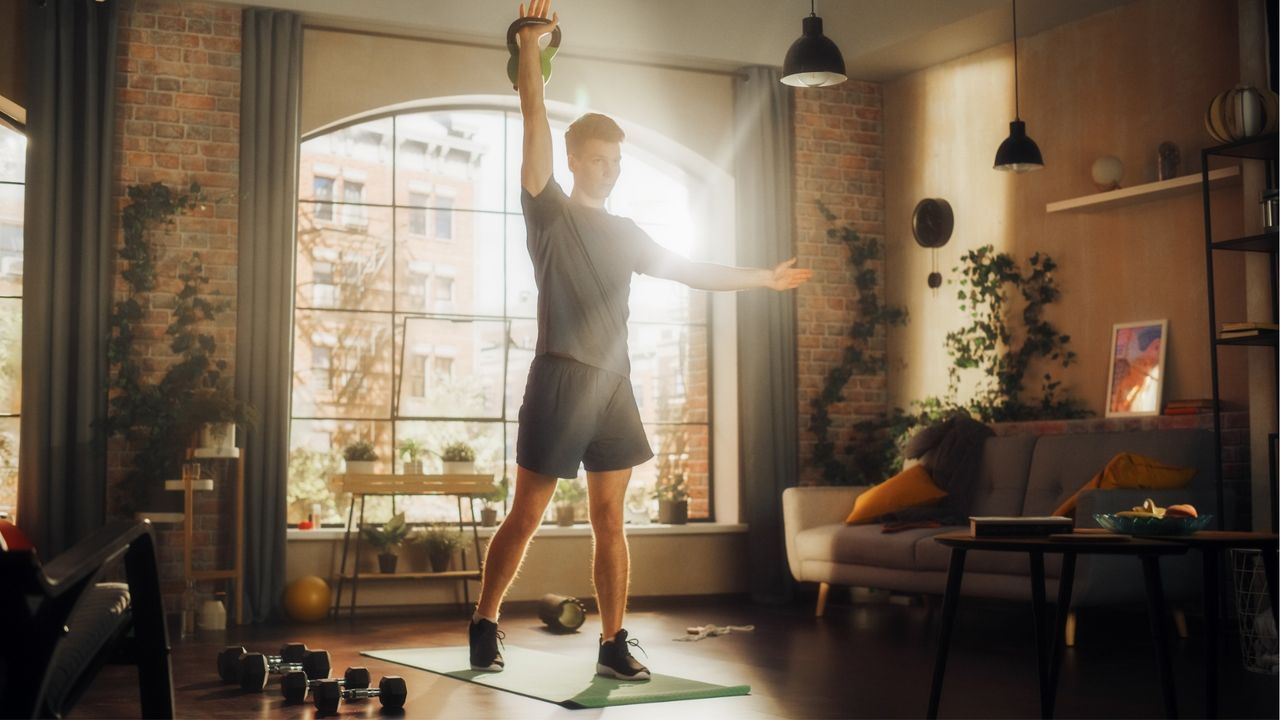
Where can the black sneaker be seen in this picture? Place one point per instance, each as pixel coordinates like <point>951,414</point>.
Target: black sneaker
<point>615,659</point>
<point>485,636</point>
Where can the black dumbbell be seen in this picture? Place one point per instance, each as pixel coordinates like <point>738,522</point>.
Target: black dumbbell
<point>294,685</point>
<point>255,668</point>
<point>229,659</point>
<point>391,692</point>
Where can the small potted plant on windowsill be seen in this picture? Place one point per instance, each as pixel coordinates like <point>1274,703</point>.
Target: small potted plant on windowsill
<point>673,500</point>
<point>386,539</point>
<point>458,458</point>
<point>568,494</point>
<point>440,541</point>
<point>412,451</point>
<point>360,457</point>
<point>489,513</point>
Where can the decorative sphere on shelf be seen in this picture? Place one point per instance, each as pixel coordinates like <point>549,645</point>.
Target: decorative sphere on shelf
<point>1107,171</point>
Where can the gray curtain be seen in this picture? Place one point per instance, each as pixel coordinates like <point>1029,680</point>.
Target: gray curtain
<point>269,82</point>
<point>766,324</point>
<point>68,270</point>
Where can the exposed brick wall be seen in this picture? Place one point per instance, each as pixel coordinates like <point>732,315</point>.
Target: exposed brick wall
<point>839,159</point>
<point>177,122</point>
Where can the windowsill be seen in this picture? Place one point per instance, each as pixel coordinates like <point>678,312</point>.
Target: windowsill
<point>578,530</point>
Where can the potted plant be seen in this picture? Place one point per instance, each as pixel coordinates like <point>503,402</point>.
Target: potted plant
<point>441,541</point>
<point>360,457</point>
<point>673,500</point>
<point>489,513</point>
<point>458,458</point>
<point>214,412</point>
<point>386,539</point>
<point>568,494</point>
<point>412,451</point>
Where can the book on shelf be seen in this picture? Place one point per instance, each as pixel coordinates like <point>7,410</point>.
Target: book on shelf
<point>1186,410</point>
<point>1249,325</point>
<point>1253,332</point>
<point>1007,526</point>
<point>1204,403</point>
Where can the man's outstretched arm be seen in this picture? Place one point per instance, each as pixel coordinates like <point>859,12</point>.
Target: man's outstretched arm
<point>709,276</point>
<point>535,169</point>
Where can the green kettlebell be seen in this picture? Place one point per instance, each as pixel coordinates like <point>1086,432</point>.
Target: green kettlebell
<point>549,52</point>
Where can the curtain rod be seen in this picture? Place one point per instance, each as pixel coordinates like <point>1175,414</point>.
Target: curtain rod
<point>503,48</point>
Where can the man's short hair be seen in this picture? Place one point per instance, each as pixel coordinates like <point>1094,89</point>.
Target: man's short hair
<point>592,126</point>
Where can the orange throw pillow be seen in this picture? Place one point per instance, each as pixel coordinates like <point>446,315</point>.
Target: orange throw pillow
<point>1128,470</point>
<point>910,488</point>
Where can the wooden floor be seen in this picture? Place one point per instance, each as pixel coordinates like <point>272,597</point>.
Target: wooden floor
<point>864,660</point>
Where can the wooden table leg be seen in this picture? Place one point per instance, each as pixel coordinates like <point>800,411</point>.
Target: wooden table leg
<point>1155,611</point>
<point>1065,581</point>
<point>1209,589</point>
<point>955,573</point>
<point>1037,614</point>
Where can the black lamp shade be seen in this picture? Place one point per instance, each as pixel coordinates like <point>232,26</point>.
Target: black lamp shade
<point>813,60</point>
<point>1018,153</point>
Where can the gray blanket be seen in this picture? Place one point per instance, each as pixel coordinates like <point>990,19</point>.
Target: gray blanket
<point>952,453</point>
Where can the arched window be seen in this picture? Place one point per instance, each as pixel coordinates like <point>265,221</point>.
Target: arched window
<point>13,164</point>
<point>416,302</point>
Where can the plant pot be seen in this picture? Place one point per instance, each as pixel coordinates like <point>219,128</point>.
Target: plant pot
<point>673,512</point>
<point>360,467</point>
<point>565,515</point>
<point>488,517</point>
<point>440,559</point>
<point>458,467</point>
<point>387,563</point>
<point>220,436</point>
<point>413,467</point>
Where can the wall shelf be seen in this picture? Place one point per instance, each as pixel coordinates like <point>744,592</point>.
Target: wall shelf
<point>1262,242</point>
<point>1145,192</point>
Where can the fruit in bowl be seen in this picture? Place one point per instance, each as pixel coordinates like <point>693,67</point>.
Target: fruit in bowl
<point>1151,519</point>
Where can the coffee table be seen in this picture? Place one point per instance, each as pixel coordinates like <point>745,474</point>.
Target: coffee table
<point>1049,660</point>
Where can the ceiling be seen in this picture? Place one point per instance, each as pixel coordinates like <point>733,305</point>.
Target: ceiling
<point>880,39</point>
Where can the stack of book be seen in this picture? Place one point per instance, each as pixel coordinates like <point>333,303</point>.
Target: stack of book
<point>1019,526</point>
<point>1246,329</point>
<point>1193,406</point>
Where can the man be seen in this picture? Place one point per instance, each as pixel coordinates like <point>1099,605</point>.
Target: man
<point>578,406</point>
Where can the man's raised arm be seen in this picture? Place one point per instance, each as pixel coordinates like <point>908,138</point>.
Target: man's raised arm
<point>536,167</point>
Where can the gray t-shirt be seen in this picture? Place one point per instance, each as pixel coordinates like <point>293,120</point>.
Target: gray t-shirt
<point>582,262</point>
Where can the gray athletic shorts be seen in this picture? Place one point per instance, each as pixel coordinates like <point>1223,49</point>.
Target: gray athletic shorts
<point>576,413</point>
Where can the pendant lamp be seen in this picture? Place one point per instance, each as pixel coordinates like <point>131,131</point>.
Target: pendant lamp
<point>813,60</point>
<point>1018,153</point>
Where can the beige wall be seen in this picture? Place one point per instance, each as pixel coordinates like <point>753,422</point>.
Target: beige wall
<point>694,109</point>
<point>1117,83</point>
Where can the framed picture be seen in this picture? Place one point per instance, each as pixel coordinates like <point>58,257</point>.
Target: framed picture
<point>1135,379</point>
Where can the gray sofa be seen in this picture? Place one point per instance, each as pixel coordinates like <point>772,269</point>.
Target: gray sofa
<point>1020,475</point>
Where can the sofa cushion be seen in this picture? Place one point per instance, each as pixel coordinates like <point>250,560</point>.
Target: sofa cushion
<point>1002,482</point>
<point>908,489</point>
<point>933,555</point>
<point>1062,464</point>
<point>1130,470</point>
<point>861,545</point>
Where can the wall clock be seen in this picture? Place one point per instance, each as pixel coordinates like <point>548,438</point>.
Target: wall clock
<point>932,223</point>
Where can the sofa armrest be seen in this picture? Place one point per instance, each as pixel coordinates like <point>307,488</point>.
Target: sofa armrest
<point>1116,499</point>
<point>808,507</point>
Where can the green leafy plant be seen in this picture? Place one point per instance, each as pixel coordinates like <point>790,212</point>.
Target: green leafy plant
<point>158,417</point>
<point>671,488</point>
<point>438,537</point>
<point>497,497</point>
<point>386,538</point>
<point>411,449</point>
<point>360,451</point>
<point>569,492</point>
<point>871,319</point>
<point>458,452</point>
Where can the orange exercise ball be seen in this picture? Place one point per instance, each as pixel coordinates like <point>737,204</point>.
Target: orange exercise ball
<point>307,599</point>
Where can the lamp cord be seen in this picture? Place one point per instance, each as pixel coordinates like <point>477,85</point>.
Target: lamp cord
<point>812,11</point>
<point>1017,113</point>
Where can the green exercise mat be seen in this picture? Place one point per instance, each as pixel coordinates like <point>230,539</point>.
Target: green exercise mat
<point>567,681</point>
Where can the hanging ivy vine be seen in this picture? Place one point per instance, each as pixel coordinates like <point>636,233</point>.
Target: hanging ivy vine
<point>157,417</point>
<point>870,317</point>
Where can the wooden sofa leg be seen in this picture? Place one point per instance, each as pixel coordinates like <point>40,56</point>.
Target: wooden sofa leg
<point>823,589</point>
<point>1180,622</point>
<point>1069,632</point>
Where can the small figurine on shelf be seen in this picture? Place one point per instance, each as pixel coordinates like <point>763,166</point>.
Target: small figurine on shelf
<point>441,541</point>
<point>360,457</point>
<point>412,450</point>
<point>458,458</point>
<point>386,539</point>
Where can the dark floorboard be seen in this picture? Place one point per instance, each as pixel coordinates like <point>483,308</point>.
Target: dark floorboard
<point>871,660</point>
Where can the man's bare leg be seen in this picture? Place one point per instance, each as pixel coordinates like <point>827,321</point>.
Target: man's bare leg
<point>506,549</point>
<point>611,566</point>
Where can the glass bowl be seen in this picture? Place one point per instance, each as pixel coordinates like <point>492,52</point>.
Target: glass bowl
<point>1152,525</point>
